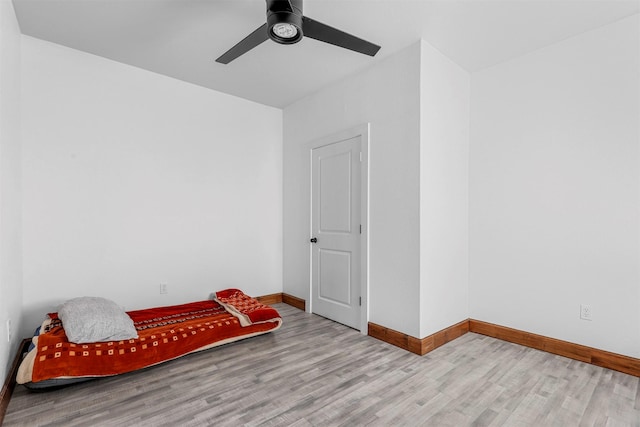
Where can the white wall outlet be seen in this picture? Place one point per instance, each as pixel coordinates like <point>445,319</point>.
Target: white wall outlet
<point>585,312</point>
<point>8,330</point>
<point>164,288</point>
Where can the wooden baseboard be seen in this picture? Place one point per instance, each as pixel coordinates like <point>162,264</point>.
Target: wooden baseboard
<point>417,345</point>
<point>270,299</point>
<point>444,336</point>
<point>10,381</point>
<point>393,337</point>
<point>628,365</point>
<point>296,302</point>
<point>285,298</point>
<point>605,359</point>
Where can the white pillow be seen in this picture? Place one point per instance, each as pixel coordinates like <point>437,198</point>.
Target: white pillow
<point>95,319</point>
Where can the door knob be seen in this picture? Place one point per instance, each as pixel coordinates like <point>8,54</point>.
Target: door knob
<point>313,240</point>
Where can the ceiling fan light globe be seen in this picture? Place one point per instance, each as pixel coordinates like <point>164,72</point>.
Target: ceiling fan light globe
<point>285,31</point>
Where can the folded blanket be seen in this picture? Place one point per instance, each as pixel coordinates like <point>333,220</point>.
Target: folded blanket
<point>246,309</point>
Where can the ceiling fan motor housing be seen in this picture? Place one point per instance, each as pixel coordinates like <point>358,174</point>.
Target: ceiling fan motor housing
<point>284,12</point>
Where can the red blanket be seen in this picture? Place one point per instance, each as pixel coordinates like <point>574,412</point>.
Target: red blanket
<point>165,333</point>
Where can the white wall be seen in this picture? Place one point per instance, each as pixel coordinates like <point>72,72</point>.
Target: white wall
<point>444,151</point>
<point>132,179</point>
<point>554,190</point>
<point>388,97</point>
<point>10,192</point>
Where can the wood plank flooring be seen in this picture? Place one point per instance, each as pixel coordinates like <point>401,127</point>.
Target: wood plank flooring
<point>314,372</point>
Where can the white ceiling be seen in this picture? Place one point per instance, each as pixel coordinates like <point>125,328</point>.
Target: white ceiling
<point>182,38</point>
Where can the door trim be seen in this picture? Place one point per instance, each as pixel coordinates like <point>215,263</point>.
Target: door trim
<point>363,132</point>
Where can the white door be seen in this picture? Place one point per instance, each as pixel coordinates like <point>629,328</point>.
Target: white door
<point>335,225</point>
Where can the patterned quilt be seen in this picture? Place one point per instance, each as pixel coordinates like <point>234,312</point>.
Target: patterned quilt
<point>164,333</point>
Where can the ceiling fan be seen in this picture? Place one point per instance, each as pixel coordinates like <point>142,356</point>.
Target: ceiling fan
<point>287,25</point>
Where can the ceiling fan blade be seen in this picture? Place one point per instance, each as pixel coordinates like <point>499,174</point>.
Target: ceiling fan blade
<point>324,33</point>
<point>252,40</point>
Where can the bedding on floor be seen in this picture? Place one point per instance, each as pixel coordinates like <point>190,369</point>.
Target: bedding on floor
<point>163,333</point>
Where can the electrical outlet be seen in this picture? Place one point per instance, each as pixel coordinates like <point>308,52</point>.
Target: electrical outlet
<point>585,312</point>
<point>164,288</point>
<point>8,330</point>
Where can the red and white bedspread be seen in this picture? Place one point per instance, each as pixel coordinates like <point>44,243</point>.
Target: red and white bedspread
<point>164,333</point>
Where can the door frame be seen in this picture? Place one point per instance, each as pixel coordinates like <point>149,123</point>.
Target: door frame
<point>363,132</point>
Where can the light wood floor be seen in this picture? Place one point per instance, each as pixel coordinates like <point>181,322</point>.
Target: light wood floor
<point>314,372</point>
